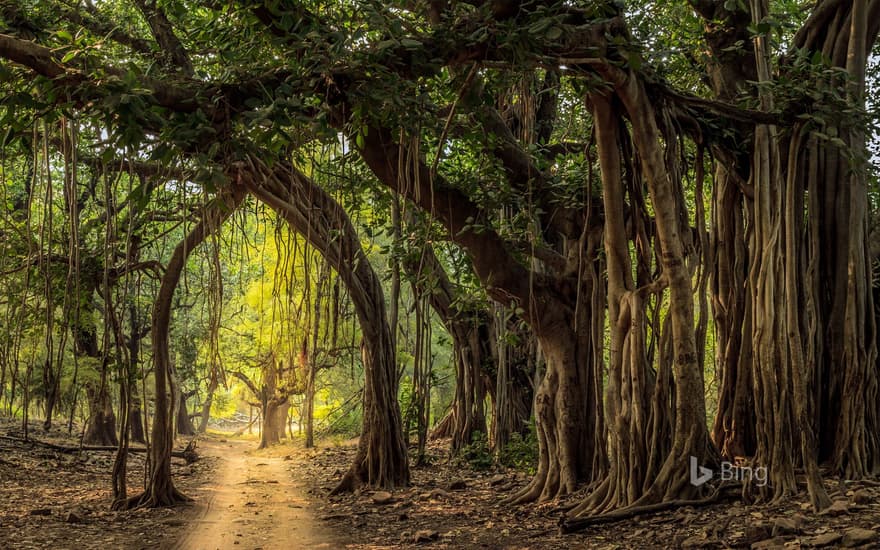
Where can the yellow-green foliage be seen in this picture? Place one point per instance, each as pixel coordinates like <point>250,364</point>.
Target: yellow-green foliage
<point>224,404</point>
<point>325,404</point>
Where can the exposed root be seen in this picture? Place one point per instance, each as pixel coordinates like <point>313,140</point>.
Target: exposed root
<point>349,483</point>
<point>445,427</point>
<point>148,499</point>
<point>529,493</point>
<point>576,524</point>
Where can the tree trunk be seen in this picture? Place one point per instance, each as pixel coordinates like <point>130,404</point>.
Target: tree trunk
<point>471,341</point>
<point>101,426</point>
<point>274,427</point>
<point>733,430</point>
<point>381,459</point>
<point>512,389</point>
<point>209,399</point>
<point>184,421</point>
<point>568,442</point>
<point>160,490</point>
<point>137,420</point>
<point>468,405</point>
<point>308,415</point>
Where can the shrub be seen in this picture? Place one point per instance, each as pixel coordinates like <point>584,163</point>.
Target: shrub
<point>477,454</point>
<point>521,452</point>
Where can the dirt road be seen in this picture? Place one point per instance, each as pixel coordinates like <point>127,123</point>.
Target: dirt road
<point>253,503</point>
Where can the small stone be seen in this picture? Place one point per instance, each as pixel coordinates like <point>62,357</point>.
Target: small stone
<point>458,485</point>
<point>857,537</point>
<point>497,480</point>
<point>439,493</point>
<point>837,508</point>
<point>769,544</point>
<point>71,517</point>
<point>862,497</point>
<point>382,497</point>
<point>785,526</point>
<point>425,535</point>
<point>826,539</point>
<point>41,512</point>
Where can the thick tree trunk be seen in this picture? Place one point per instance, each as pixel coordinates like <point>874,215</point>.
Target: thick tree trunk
<point>689,435</point>
<point>569,426</point>
<point>648,463</point>
<point>160,490</point>
<point>564,427</point>
<point>274,427</point>
<point>630,382</point>
<point>101,426</point>
<point>381,459</point>
<point>184,421</point>
<point>275,405</point>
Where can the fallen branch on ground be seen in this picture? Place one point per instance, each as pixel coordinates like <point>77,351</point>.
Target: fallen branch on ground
<point>189,454</point>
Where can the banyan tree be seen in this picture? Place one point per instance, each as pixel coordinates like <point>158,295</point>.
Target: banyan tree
<point>665,193</point>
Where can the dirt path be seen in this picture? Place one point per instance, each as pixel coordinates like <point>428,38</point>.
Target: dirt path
<point>254,502</point>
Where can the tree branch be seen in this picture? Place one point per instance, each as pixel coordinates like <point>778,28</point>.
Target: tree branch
<point>163,32</point>
<point>44,62</point>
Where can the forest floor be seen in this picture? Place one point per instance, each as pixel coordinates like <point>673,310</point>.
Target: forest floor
<point>52,499</point>
<point>449,505</point>
<point>278,498</point>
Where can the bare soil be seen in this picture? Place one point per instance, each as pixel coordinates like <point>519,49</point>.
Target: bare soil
<point>252,500</point>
